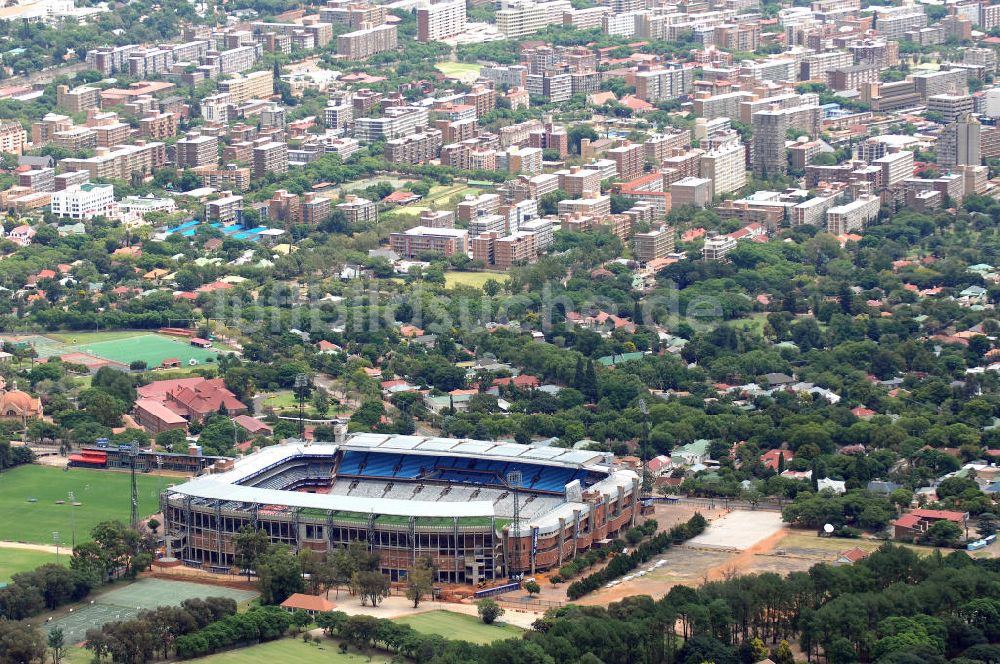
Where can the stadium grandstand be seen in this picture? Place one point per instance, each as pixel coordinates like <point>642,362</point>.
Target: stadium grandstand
<point>481,510</point>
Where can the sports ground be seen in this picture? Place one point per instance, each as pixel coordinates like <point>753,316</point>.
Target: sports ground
<point>292,651</point>
<point>30,511</point>
<point>459,626</point>
<point>13,561</point>
<point>120,347</point>
<point>126,602</point>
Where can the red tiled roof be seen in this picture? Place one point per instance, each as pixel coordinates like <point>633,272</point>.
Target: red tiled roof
<point>308,603</point>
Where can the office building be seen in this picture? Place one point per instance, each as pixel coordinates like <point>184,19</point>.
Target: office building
<point>950,107</point>
<point>84,201</point>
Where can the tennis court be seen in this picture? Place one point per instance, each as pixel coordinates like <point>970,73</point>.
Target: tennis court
<point>126,602</point>
<point>150,348</point>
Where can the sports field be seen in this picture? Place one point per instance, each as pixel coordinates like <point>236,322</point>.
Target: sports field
<point>292,651</point>
<point>126,602</point>
<point>151,348</point>
<point>29,511</point>
<point>474,279</point>
<point>95,337</point>
<point>459,626</point>
<point>463,71</point>
<point>13,561</point>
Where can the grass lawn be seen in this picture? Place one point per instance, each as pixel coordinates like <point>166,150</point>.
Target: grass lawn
<point>459,70</point>
<point>96,337</point>
<point>153,349</point>
<point>410,210</point>
<point>459,626</point>
<point>474,279</point>
<point>291,651</point>
<point>104,496</point>
<point>13,561</point>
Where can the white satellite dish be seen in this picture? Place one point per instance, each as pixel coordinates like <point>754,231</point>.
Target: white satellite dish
<point>192,362</point>
<point>828,528</point>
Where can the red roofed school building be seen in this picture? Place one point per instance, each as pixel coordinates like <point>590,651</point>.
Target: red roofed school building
<point>172,404</point>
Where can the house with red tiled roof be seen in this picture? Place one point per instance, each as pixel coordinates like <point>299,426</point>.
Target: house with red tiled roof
<point>523,381</point>
<point>185,295</point>
<point>214,286</point>
<point>401,198</point>
<point>772,458</point>
<point>863,413</point>
<point>917,522</point>
<point>851,556</point>
<point>328,347</point>
<point>253,425</point>
<point>194,399</point>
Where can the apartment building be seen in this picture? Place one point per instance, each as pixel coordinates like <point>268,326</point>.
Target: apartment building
<point>576,181</point>
<point>110,59</point>
<point>84,201</point>
<point>414,148</point>
<point>396,122</point>
<point>590,204</point>
<point>814,67</point>
<point>228,177</point>
<point>896,166</point>
<point>441,20</point>
<point>77,100</point>
<point>960,143</point>
<point>717,247</point>
<point>315,208</point>
<point>270,157</point>
<point>629,161</point>
<point>121,161</point>
<point>38,179</point>
<point>243,87</point>
<point>358,210</point>
<point>553,87</point>
<point>517,160</point>
<point>769,129</point>
<point>197,150</point>
<point>369,41</point>
<point>853,77</point>
<point>691,191</point>
<point>227,209</point>
<point>726,167</point>
<point>654,244</point>
<point>12,137</point>
<point>478,206</point>
<point>338,114</point>
<point>524,17</point>
<point>661,84</point>
<point>419,240</point>
<point>158,126</point>
<point>892,22</point>
<point>853,216</point>
<point>512,76</point>
<point>660,146</point>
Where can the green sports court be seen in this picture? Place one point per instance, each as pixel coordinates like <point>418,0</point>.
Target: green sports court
<point>126,602</point>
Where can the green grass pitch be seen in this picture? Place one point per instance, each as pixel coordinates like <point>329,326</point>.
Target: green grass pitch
<point>292,651</point>
<point>13,561</point>
<point>104,496</point>
<point>459,626</point>
<point>151,348</point>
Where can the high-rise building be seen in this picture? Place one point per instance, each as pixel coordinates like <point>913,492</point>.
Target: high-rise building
<point>654,244</point>
<point>661,84</point>
<point>769,129</point>
<point>960,143</point>
<point>629,159</point>
<point>726,167</point>
<point>368,41</point>
<point>441,20</point>
<point>853,216</point>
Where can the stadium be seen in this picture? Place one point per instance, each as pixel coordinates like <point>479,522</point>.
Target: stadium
<point>481,510</point>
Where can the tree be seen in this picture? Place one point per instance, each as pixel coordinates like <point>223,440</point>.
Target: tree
<point>153,525</point>
<point>532,587</point>
<point>20,643</point>
<point>56,643</point>
<point>942,533</point>
<point>372,585</point>
<point>489,611</point>
<point>279,575</point>
<point>420,580</point>
<point>250,545</point>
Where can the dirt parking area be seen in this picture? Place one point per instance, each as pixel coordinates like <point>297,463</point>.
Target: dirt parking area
<point>739,530</point>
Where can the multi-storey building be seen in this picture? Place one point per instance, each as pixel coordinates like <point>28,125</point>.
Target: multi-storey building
<point>110,59</point>
<point>243,88</point>
<point>896,166</point>
<point>950,107</point>
<point>226,209</point>
<point>769,129</point>
<point>197,150</point>
<point>852,77</point>
<point>525,17</point>
<point>78,100</point>
<point>396,122</point>
<point>121,161</point>
<point>441,20</point>
<point>158,126</point>
<point>656,243</point>
<point>513,76</point>
<point>270,157</point>
<point>629,160</point>
<point>555,88</point>
<point>229,177</point>
<point>662,84</point>
<point>726,167</point>
<point>414,148</point>
<point>38,179</point>
<point>660,146</point>
<point>12,137</point>
<point>717,247</point>
<point>358,210</point>
<point>84,201</point>
<point>369,41</point>
<point>421,240</point>
<point>338,114</point>
<point>853,216</point>
<point>960,143</point>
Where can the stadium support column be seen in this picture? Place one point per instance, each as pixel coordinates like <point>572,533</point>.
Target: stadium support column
<point>298,532</point>
<point>412,522</point>
<point>576,532</point>
<point>329,532</point>
<point>562,538</point>
<point>459,562</point>
<point>188,550</point>
<point>636,502</point>
<point>218,532</point>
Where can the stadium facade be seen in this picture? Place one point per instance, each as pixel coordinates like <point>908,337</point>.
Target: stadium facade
<point>410,496</point>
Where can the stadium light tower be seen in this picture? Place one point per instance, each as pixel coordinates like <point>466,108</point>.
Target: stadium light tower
<point>301,381</point>
<point>644,409</point>
<point>132,452</point>
<point>514,479</point>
